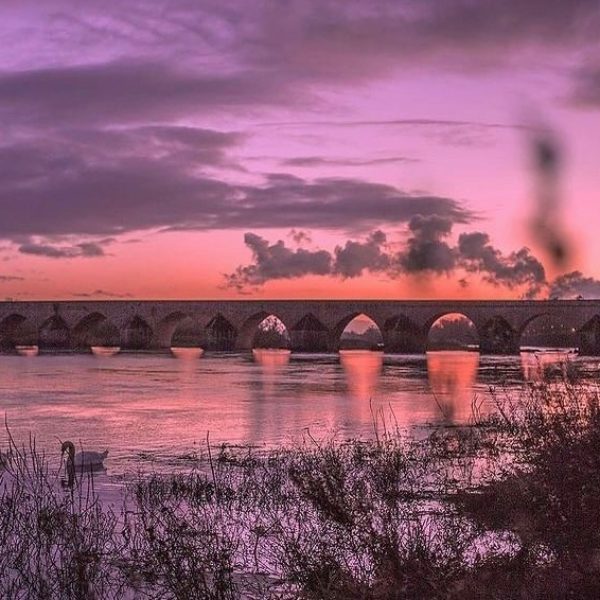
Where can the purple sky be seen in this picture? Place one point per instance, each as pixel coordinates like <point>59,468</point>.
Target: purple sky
<point>299,149</point>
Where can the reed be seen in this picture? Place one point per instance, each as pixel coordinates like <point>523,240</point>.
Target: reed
<point>508,508</point>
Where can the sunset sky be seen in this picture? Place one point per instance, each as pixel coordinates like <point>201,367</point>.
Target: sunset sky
<point>299,149</point>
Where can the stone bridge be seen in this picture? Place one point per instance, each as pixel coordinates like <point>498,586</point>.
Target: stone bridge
<point>313,325</point>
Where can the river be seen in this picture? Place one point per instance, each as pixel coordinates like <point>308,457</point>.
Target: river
<point>153,412</point>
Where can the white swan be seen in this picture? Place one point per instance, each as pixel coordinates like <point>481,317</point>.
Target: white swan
<point>83,461</point>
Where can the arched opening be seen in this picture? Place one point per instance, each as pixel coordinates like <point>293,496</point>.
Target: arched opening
<point>271,333</point>
<point>188,334</point>
<point>54,335</point>
<point>549,332</point>
<point>166,328</point>
<point>403,336</point>
<point>263,330</point>
<point>360,345</point>
<point>220,334</point>
<point>137,335</point>
<point>498,337</point>
<point>453,332</point>
<point>96,334</point>
<point>268,338</point>
<point>309,335</point>
<point>360,332</point>
<point>16,331</point>
<point>589,337</point>
<point>188,339</point>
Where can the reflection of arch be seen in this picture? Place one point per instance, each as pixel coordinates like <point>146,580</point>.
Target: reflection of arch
<point>54,334</point>
<point>498,337</point>
<point>14,332</point>
<point>451,377</point>
<point>137,335</point>
<point>452,331</point>
<point>220,334</point>
<point>94,330</point>
<point>309,335</point>
<point>589,337</point>
<point>550,331</point>
<point>403,336</point>
<point>341,339</point>
<point>249,332</point>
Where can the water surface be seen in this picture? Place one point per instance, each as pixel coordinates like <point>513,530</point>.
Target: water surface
<point>155,411</point>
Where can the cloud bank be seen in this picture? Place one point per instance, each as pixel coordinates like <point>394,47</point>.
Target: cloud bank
<point>427,251</point>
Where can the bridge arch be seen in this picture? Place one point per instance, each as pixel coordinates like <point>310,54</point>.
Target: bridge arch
<point>309,334</point>
<point>94,329</point>
<point>221,335</point>
<point>452,331</point>
<point>54,334</point>
<point>16,330</point>
<point>366,327</point>
<point>549,330</point>
<point>497,336</point>
<point>136,335</point>
<point>188,333</point>
<point>249,332</point>
<point>403,336</point>
<point>589,337</point>
<point>167,326</point>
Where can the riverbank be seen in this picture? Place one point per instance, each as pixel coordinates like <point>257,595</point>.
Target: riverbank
<point>509,507</point>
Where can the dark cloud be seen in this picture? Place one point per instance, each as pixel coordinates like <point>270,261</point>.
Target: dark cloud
<point>152,178</point>
<point>517,268</point>
<point>308,37</point>
<point>444,131</point>
<point>101,294</point>
<point>7,278</point>
<point>83,249</point>
<point>117,64</point>
<point>319,161</point>
<point>574,284</point>
<point>276,261</point>
<point>353,258</point>
<point>300,237</point>
<point>125,92</point>
<point>426,249</point>
<point>339,203</point>
<point>426,252</point>
<point>343,42</point>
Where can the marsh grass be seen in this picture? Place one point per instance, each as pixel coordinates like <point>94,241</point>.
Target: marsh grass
<point>509,508</point>
<point>55,541</point>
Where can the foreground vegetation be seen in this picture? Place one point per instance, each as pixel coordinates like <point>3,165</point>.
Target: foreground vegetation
<point>508,508</point>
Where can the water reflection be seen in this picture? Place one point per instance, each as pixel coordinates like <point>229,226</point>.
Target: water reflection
<point>150,405</point>
<point>362,369</point>
<point>27,350</point>
<point>271,359</point>
<point>539,366</point>
<point>187,353</point>
<point>105,351</point>
<point>452,376</point>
